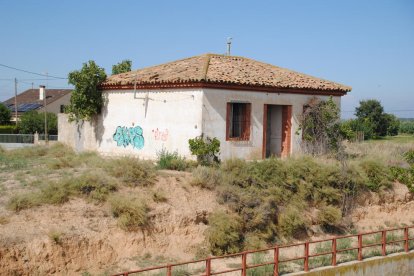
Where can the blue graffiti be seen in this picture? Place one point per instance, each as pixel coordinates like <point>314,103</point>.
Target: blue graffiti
<point>125,136</point>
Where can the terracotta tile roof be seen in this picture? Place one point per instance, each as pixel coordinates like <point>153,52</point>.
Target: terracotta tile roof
<point>223,70</point>
<point>32,96</point>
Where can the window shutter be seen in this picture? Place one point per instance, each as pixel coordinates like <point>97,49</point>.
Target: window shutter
<point>247,121</point>
<point>228,111</point>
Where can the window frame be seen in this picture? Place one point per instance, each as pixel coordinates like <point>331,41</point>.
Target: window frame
<point>246,122</point>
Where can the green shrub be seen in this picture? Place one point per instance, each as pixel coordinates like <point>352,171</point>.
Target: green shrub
<point>206,149</point>
<point>225,233</point>
<point>8,129</point>
<point>54,193</point>
<point>291,222</point>
<point>132,213</point>
<point>406,127</point>
<point>404,176</point>
<point>378,175</point>
<point>206,177</point>
<point>409,157</point>
<point>171,161</point>
<point>132,171</point>
<point>253,241</point>
<point>329,216</point>
<point>96,186</point>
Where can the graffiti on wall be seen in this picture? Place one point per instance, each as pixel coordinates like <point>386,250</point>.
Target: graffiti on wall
<point>125,136</point>
<point>160,135</point>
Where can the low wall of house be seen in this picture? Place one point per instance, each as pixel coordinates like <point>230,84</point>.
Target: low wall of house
<point>396,264</point>
<point>81,136</point>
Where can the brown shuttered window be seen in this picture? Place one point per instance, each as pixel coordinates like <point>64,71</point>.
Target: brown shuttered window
<point>238,121</point>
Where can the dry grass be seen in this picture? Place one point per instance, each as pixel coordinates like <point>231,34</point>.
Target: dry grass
<point>132,213</point>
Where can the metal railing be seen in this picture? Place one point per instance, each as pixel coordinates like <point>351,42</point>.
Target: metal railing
<point>50,137</point>
<point>382,238</point>
<point>17,138</point>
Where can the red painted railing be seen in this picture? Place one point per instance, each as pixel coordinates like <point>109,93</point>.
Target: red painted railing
<point>277,260</point>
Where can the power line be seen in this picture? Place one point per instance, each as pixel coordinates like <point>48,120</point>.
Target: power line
<point>29,72</point>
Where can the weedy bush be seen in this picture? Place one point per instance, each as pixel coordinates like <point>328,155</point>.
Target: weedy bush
<point>132,171</point>
<point>159,196</point>
<point>225,233</point>
<point>292,222</point>
<point>409,157</point>
<point>377,175</point>
<point>91,185</point>
<point>329,216</point>
<point>22,201</point>
<point>206,177</point>
<point>206,149</point>
<point>96,186</point>
<point>132,213</point>
<point>171,161</point>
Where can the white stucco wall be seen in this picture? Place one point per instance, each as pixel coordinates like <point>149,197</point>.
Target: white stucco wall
<point>214,118</point>
<point>170,118</point>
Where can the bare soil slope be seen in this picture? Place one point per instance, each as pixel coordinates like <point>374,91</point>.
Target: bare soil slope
<point>80,236</point>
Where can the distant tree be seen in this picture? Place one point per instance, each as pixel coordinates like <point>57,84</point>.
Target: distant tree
<point>393,124</point>
<point>5,115</point>
<point>122,67</point>
<point>33,121</point>
<point>86,100</point>
<point>371,112</point>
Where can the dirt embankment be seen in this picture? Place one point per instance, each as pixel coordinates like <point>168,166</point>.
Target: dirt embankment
<point>80,236</point>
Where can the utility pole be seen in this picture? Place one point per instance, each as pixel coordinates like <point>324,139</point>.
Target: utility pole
<point>42,91</point>
<point>15,99</point>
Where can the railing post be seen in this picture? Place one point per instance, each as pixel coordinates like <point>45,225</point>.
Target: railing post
<point>244,263</point>
<point>276,261</point>
<point>406,239</point>
<point>208,266</point>
<point>306,264</point>
<point>169,270</point>
<point>384,242</point>
<point>359,247</point>
<point>334,251</point>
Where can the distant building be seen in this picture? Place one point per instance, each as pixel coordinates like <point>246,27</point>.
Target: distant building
<point>252,107</point>
<point>31,99</point>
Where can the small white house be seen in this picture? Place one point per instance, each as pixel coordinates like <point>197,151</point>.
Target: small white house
<point>251,107</point>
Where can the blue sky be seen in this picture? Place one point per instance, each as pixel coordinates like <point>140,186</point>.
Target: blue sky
<point>368,45</point>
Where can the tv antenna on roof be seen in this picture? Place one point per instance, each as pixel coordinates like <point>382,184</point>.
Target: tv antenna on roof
<point>229,39</point>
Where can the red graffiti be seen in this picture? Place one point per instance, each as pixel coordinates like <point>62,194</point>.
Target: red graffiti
<point>160,135</point>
